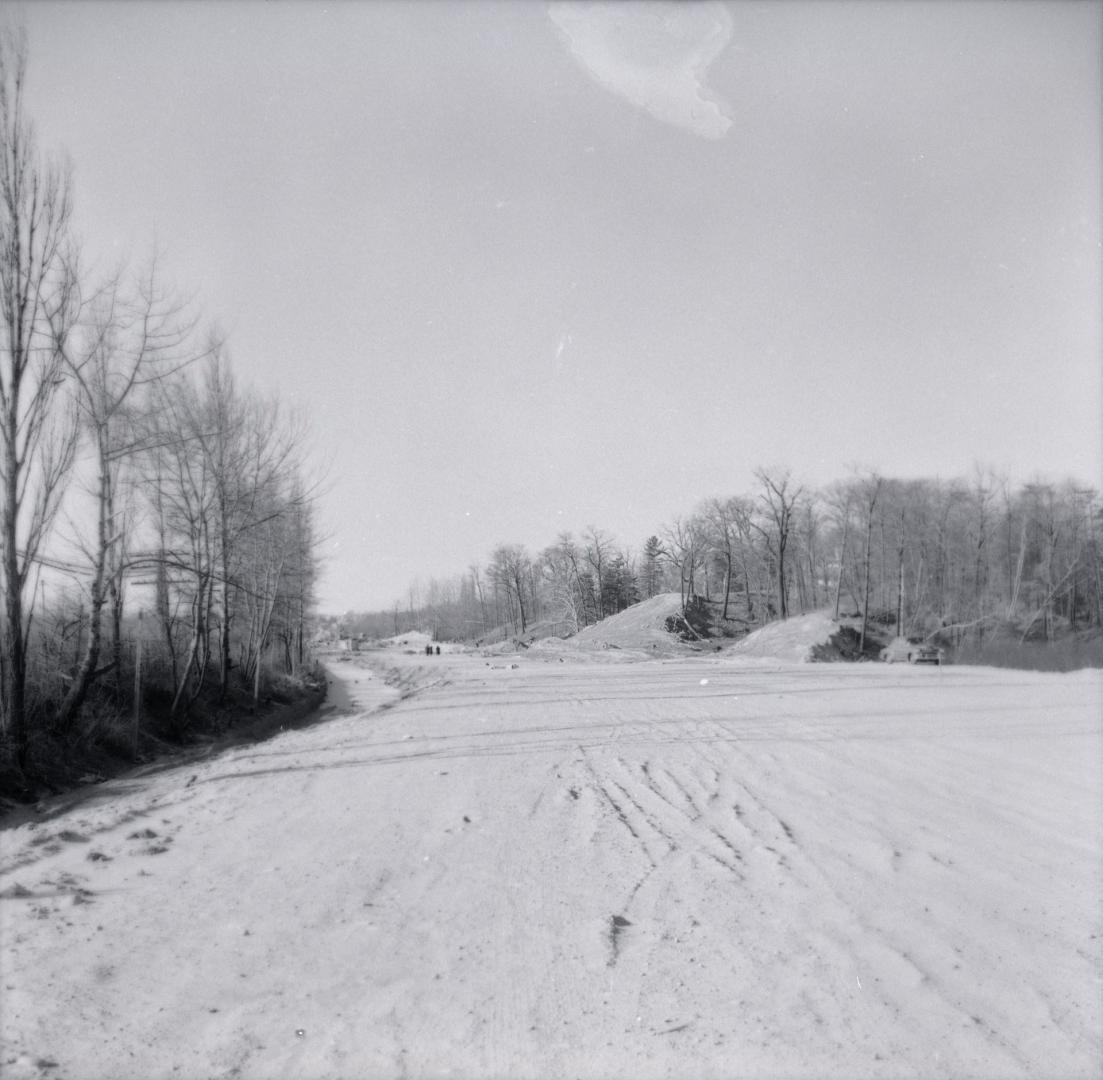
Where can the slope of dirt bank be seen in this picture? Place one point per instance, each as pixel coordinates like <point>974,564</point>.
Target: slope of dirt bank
<point>638,632</point>
<point>791,640</point>
<point>643,632</point>
<point>71,767</point>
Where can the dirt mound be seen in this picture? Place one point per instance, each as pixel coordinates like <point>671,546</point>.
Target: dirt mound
<point>641,628</point>
<point>796,640</point>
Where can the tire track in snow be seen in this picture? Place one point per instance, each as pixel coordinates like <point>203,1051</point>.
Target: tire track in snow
<point>680,842</point>
<point>741,814</point>
<point>662,915</point>
<point>846,938</point>
<point>824,931</point>
<point>492,955</point>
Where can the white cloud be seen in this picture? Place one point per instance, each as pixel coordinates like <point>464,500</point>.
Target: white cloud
<point>655,55</point>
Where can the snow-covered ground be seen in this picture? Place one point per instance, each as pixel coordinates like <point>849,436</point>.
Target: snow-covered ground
<point>538,865</point>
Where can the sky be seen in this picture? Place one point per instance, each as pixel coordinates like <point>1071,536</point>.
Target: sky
<point>536,267</point>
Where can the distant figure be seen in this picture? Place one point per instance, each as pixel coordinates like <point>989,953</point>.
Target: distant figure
<point>428,650</point>
<point>438,650</point>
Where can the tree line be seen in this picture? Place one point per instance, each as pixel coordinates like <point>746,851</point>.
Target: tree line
<point>960,558</point>
<point>149,505</point>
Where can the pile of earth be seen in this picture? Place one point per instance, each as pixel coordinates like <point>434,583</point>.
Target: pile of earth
<point>657,628</point>
<point>800,639</point>
<point>640,629</point>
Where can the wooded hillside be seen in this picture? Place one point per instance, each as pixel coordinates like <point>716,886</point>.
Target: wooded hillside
<point>967,560</point>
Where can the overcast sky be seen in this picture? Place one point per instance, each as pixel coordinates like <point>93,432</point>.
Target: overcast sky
<point>531,268</point>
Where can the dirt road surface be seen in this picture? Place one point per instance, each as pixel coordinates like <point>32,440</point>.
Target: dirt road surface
<point>539,866</point>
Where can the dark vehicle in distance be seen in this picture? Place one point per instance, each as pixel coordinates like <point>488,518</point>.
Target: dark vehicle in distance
<point>911,651</point>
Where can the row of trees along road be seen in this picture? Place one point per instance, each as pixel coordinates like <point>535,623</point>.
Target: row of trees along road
<point>961,557</point>
<point>130,462</point>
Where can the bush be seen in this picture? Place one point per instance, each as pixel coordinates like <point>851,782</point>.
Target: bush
<point>101,741</point>
<point>698,616</point>
<point>694,623</point>
<point>883,616</point>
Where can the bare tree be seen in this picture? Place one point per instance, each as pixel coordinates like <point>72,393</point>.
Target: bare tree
<point>684,543</point>
<point>127,338</point>
<point>838,499</point>
<point>716,514</point>
<point>250,452</point>
<point>869,492</point>
<point>728,531</point>
<point>809,534</point>
<point>598,552</point>
<point>267,551</point>
<point>508,571</point>
<point>177,478</point>
<point>301,576</point>
<point>476,581</point>
<point>563,580</point>
<point>37,305</point>
<point>779,500</point>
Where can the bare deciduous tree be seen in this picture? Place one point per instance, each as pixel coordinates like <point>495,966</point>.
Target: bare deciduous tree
<point>779,499</point>
<point>128,337</point>
<point>37,306</point>
<point>684,546</point>
<point>598,551</point>
<point>509,572</point>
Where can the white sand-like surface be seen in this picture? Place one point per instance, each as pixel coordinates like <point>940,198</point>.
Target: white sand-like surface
<point>545,866</point>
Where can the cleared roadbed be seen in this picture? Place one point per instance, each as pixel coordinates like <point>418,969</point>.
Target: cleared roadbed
<point>548,865</point>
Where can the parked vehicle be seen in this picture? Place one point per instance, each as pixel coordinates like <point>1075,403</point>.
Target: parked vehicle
<point>911,651</point>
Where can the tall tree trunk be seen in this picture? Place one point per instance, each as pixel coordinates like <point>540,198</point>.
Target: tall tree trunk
<point>782,591</point>
<point>15,666</point>
<point>86,674</point>
<point>865,585</point>
<point>842,564</point>
<point>900,579</point>
<point>37,304</point>
<point>727,581</point>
